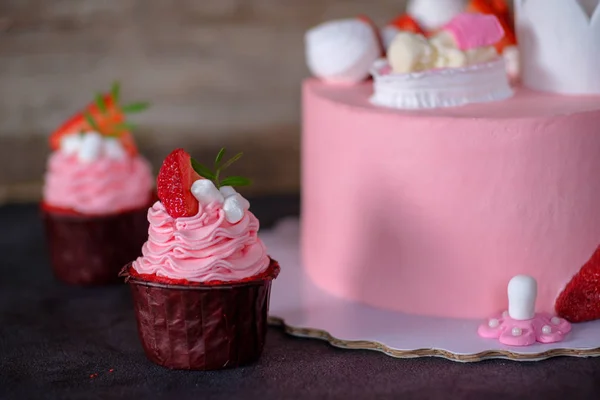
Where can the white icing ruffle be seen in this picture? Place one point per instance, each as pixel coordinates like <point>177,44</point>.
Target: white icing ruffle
<point>438,88</point>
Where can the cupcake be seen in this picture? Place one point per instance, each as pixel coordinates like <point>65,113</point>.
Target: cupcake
<point>201,287</point>
<point>96,194</point>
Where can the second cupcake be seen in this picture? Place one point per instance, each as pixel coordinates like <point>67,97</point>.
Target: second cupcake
<point>201,288</point>
<point>96,193</point>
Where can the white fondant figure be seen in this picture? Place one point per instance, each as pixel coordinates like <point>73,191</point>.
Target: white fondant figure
<point>433,14</point>
<point>559,43</point>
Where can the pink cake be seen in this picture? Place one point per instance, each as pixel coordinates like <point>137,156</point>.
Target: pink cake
<point>432,212</point>
<point>450,174</point>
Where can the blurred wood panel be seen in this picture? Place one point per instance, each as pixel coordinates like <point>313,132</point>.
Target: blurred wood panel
<point>218,72</point>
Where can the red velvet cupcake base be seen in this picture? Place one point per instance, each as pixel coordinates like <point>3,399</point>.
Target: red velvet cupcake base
<point>202,327</point>
<point>91,250</point>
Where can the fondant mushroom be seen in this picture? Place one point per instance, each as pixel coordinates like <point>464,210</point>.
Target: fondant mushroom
<point>521,325</point>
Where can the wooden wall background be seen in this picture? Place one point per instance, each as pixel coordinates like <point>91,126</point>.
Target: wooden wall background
<point>218,72</point>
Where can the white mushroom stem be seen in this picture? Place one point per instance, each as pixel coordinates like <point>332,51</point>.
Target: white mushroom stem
<point>522,293</point>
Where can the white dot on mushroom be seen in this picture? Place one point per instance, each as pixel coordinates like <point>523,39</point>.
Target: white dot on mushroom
<point>555,320</point>
<point>546,330</point>
<point>493,323</point>
<point>516,331</point>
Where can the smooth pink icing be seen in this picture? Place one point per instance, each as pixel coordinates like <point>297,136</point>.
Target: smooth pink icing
<point>202,248</point>
<point>102,186</point>
<point>531,329</point>
<point>432,212</point>
<point>472,30</point>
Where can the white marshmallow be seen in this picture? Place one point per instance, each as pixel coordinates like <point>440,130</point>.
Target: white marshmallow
<point>522,293</point>
<point>411,52</point>
<point>245,203</point>
<point>91,147</point>
<point>234,209</point>
<point>432,14</point>
<point>341,51</point>
<point>227,191</point>
<point>206,192</point>
<point>114,149</point>
<point>70,144</point>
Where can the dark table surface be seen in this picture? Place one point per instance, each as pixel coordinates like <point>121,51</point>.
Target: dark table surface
<point>61,342</point>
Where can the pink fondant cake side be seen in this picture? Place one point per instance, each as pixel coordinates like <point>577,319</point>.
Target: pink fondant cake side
<point>433,212</point>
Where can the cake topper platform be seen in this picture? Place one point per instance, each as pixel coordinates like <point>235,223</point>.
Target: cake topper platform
<point>305,310</point>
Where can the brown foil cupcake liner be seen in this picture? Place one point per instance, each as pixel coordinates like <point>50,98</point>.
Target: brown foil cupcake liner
<point>91,250</point>
<point>202,327</point>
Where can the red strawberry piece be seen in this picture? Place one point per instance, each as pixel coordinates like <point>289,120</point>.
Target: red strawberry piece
<point>174,182</point>
<point>375,30</point>
<point>407,23</point>
<point>580,299</point>
<point>105,121</point>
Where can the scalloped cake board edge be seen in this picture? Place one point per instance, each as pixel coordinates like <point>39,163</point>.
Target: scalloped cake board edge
<point>304,310</point>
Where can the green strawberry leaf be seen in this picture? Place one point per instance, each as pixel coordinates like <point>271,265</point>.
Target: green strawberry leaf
<point>231,161</point>
<point>115,91</point>
<point>135,107</point>
<point>202,170</point>
<point>101,103</point>
<point>236,181</point>
<point>219,156</point>
<point>90,120</point>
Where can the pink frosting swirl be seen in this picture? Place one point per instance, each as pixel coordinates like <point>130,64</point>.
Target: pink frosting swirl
<point>103,186</point>
<point>202,248</point>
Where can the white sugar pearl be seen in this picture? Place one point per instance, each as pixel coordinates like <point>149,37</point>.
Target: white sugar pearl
<point>69,144</point>
<point>91,147</point>
<point>546,330</point>
<point>206,192</point>
<point>493,323</point>
<point>516,331</point>
<point>227,191</point>
<point>505,314</point>
<point>555,320</point>
<point>114,149</point>
<point>234,210</point>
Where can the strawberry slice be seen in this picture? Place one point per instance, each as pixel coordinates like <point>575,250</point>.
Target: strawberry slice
<point>174,182</point>
<point>107,122</point>
<point>580,299</point>
<point>408,24</point>
<point>500,9</point>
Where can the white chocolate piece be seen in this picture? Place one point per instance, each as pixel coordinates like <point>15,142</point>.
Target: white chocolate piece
<point>481,55</point>
<point>91,147</point>
<point>410,52</point>
<point>114,149</point>
<point>234,210</point>
<point>448,57</point>
<point>205,191</point>
<point>227,191</point>
<point>522,293</point>
<point>341,51</point>
<point>432,14</point>
<point>70,144</point>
